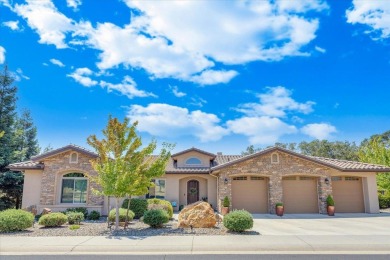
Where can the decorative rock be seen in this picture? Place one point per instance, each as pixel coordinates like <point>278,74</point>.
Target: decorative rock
<point>197,215</point>
<point>46,211</point>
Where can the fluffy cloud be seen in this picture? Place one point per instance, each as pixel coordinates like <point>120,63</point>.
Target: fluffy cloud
<point>127,87</point>
<point>43,17</point>
<point>261,130</point>
<point>73,4</point>
<point>319,131</point>
<point>211,77</point>
<point>2,54</point>
<point>13,25</point>
<point>276,102</point>
<point>176,92</point>
<point>57,62</point>
<point>172,121</point>
<point>81,75</point>
<point>374,14</point>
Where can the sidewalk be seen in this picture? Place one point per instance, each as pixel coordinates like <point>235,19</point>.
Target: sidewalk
<point>235,244</point>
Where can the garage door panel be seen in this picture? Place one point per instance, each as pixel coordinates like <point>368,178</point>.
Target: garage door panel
<point>250,193</point>
<point>348,194</point>
<point>300,195</point>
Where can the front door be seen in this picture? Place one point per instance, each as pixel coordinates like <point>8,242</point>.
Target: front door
<point>192,191</point>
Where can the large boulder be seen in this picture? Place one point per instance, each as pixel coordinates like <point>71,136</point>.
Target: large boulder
<point>46,211</point>
<point>198,215</point>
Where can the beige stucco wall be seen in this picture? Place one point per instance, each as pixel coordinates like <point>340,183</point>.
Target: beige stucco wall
<point>31,188</point>
<point>181,159</point>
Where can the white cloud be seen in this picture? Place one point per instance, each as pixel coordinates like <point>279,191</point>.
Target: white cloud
<point>57,62</point>
<point>319,49</point>
<point>275,103</point>
<point>261,130</point>
<point>197,101</point>
<point>6,3</point>
<point>176,92</point>
<point>81,76</point>
<point>43,17</point>
<point>319,131</point>
<point>13,25</point>
<point>73,4</point>
<point>2,54</point>
<point>127,87</point>
<point>211,77</point>
<point>172,121</point>
<point>374,14</point>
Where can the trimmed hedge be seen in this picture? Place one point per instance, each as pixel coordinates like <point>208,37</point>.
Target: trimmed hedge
<point>156,218</point>
<point>384,200</point>
<point>79,209</point>
<point>94,215</point>
<point>53,219</point>
<point>168,205</point>
<point>15,220</point>
<point>122,215</point>
<point>238,220</point>
<point>138,206</point>
<point>75,217</point>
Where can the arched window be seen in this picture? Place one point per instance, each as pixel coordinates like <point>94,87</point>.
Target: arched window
<point>74,188</point>
<point>275,158</point>
<point>73,158</point>
<point>193,161</point>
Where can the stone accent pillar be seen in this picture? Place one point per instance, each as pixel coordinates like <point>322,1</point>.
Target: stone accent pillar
<point>323,191</point>
<point>275,192</point>
<point>224,189</point>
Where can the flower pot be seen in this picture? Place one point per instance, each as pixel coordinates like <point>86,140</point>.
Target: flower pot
<point>279,211</point>
<point>330,210</point>
<point>225,210</point>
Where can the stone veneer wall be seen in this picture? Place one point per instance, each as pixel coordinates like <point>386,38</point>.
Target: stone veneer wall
<point>288,166</point>
<point>59,165</point>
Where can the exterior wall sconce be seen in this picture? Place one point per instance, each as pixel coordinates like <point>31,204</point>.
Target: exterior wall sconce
<point>226,181</point>
<point>326,181</point>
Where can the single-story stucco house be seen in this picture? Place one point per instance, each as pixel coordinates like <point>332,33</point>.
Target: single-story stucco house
<point>255,182</point>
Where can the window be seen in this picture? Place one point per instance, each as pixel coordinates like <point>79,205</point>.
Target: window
<point>274,158</point>
<point>303,178</point>
<point>256,178</point>
<point>73,158</point>
<point>158,191</point>
<point>240,178</point>
<point>352,178</point>
<point>74,188</point>
<point>336,178</point>
<point>193,161</point>
<point>290,178</point>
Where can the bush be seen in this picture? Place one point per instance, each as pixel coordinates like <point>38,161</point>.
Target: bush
<point>169,207</point>
<point>384,200</point>
<point>53,219</point>
<point>15,219</point>
<point>75,217</point>
<point>156,218</point>
<point>138,206</point>
<point>238,220</point>
<point>226,202</point>
<point>80,209</point>
<point>329,201</point>
<point>122,215</point>
<point>74,227</point>
<point>94,215</point>
<point>279,204</point>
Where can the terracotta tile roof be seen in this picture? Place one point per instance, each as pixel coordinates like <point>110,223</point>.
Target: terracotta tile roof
<point>64,149</point>
<point>26,165</point>
<point>171,168</point>
<point>195,150</point>
<point>350,165</point>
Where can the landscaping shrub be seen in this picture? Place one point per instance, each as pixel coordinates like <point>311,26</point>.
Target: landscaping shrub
<point>79,209</point>
<point>74,227</point>
<point>94,215</point>
<point>158,206</point>
<point>238,220</point>
<point>162,202</point>
<point>15,219</point>
<point>138,206</point>
<point>226,202</point>
<point>75,217</point>
<point>156,218</point>
<point>329,201</point>
<point>122,215</point>
<point>384,200</point>
<point>53,219</point>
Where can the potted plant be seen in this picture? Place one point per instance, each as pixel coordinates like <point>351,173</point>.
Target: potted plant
<point>330,205</point>
<point>225,206</point>
<point>279,209</point>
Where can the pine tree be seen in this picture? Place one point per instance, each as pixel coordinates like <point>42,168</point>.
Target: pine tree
<point>25,138</point>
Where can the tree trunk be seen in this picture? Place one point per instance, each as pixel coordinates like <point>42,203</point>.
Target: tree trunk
<point>108,210</point>
<point>117,213</point>
<point>128,208</point>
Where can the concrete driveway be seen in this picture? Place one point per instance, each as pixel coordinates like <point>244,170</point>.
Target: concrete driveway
<point>316,224</point>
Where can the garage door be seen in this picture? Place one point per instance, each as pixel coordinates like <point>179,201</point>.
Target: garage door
<point>250,193</point>
<point>300,194</point>
<point>348,194</point>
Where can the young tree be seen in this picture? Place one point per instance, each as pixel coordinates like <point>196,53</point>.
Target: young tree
<point>124,167</point>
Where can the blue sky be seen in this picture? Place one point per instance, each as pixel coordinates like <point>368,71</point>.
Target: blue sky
<point>217,75</point>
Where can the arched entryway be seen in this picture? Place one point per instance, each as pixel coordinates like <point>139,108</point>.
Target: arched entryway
<point>192,191</point>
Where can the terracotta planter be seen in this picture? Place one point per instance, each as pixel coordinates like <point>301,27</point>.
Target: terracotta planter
<point>225,210</point>
<point>330,210</point>
<point>279,211</point>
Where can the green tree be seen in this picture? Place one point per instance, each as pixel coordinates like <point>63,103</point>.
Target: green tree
<point>124,167</point>
<point>335,150</point>
<point>377,151</point>
<point>1,134</point>
<point>251,150</point>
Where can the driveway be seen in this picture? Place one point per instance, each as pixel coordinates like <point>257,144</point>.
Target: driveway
<point>317,224</point>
